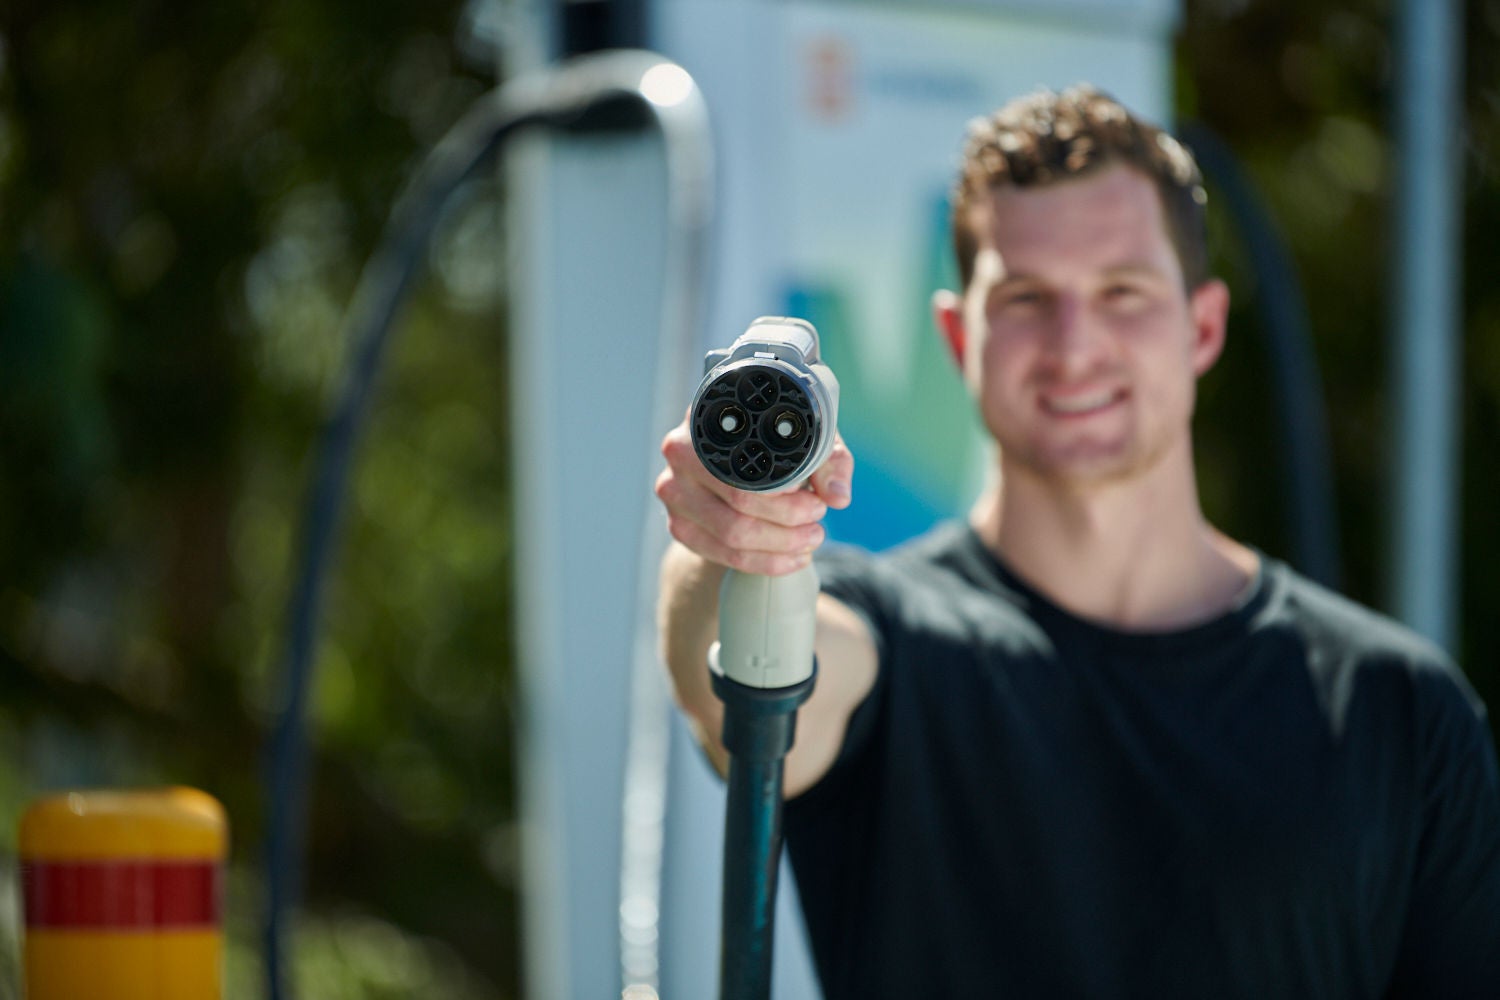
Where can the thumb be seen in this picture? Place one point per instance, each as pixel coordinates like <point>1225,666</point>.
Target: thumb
<point>832,480</point>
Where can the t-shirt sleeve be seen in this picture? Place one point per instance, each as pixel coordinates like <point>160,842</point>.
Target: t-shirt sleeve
<point>1450,946</point>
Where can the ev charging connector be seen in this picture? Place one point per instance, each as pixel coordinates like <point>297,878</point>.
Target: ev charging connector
<point>764,414</point>
<point>763,419</point>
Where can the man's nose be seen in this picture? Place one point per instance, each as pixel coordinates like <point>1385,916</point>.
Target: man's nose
<point>1074,337</point>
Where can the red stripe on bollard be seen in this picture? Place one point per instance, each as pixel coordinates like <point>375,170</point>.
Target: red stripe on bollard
<point>121,895</point>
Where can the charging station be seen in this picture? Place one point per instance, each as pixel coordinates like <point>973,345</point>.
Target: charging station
<point>837,126</point>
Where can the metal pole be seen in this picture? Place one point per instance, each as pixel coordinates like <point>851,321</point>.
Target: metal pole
<point>1427,323</point>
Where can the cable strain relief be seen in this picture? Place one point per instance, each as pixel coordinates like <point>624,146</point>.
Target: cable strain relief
<point>760,723</point>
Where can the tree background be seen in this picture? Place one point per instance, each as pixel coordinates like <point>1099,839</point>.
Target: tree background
<point>187,193</point>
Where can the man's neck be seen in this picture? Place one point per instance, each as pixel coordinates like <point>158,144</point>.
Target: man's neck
<point>1136,554</point>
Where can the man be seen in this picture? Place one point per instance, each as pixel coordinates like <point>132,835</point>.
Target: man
<point>1085,744</point>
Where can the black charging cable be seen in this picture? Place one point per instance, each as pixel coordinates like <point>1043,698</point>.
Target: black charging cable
<point>604,91</point>
<point>1303,416</point>
<point>759,725</point>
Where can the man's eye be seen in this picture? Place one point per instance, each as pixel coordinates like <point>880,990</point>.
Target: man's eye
<point>1124,297</point>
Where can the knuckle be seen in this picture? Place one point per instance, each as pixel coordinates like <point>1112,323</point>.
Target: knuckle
<point>676,447</point>
<point>738,500</point>
<point>787,564</point>
<point>739,531</point>
<point>808,510</point>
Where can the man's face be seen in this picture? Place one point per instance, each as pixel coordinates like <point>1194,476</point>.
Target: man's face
<point>1080,343</point>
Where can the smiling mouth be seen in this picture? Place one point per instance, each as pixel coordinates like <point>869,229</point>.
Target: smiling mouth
<point>1082,404</point>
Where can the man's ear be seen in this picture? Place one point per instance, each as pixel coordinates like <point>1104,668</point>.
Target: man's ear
<point>1209,305</point>
<point>948,317</point>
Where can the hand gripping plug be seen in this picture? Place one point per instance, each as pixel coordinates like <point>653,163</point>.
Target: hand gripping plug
<point>763,419</point>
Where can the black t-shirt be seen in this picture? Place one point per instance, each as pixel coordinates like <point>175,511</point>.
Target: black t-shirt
<point>1296,799</point>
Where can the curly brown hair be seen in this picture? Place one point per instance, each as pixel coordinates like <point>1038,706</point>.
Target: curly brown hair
<point>1046,137</point>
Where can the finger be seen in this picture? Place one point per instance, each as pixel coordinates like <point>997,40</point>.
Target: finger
<point>790,509</point>
<point>699,540</point>
<point>735,529</point>
<point>832,482</point>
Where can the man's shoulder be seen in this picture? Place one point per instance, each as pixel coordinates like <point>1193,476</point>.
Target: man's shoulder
<point>1329,617</point>
<point>1349,643</point>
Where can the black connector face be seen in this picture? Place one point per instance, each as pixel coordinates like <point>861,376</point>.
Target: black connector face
<point>754,425</point>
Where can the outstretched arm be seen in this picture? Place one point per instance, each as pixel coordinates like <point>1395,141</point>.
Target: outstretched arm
<point>716,527</point>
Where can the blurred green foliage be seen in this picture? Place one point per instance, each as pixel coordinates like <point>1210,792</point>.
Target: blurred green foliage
<point>186,197</point>
<point>187,193</point>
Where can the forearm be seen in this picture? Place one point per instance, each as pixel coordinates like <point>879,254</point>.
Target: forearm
<point>688,617</point>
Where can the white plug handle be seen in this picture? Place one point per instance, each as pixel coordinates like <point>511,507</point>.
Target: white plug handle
<point>767,625</point>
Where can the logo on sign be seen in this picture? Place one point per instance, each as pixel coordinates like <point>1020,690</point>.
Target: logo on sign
<point>830,79</point>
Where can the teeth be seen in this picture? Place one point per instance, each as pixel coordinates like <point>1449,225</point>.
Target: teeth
<point>1080,404</point>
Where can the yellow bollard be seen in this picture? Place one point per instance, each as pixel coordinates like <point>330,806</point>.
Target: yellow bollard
<point>123,895</point>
